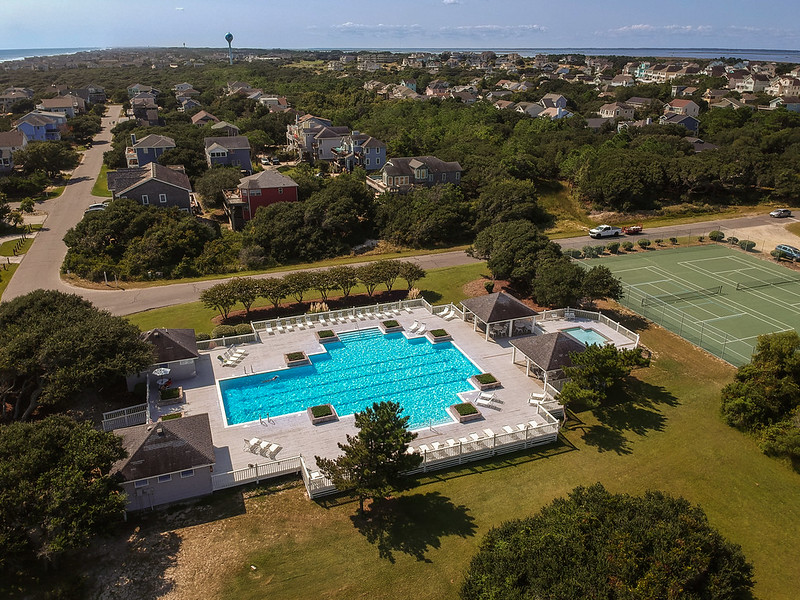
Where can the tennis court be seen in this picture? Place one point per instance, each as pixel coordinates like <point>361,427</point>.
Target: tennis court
<point>718,298</point>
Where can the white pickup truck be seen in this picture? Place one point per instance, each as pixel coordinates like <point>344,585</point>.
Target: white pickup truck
<point>602,231</point>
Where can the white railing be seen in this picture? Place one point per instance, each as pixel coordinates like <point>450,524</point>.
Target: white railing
<point>228,340</point>
<point>255,473</point>
<point>125,417</point>
<point>462,451</point>
<point>562,313</point>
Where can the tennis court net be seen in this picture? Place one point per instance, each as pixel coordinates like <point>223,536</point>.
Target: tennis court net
<point>751,285</point>
<point>679,297</point>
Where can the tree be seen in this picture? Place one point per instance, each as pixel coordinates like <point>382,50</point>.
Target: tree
<point>273,289</point>
<point>54,345</point>
<point>599,282</point>
<point>84,127</point>
<point>370,276</point>
<point>373,460</point>
<point>219,297</point>
<point>558,282</point>
<point>411,272</point>
<point>298,283</point>
<point>50,157</point>
<point>389,271</point>
<point>323,282</point>
<point>246,291</point>
<point>594,544</point>
<point>596,371</point>
<point>211,184</point>
<point>345,277</point>
<point>56,488</point>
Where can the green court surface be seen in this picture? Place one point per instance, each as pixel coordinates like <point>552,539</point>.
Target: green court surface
<point>716,297</point>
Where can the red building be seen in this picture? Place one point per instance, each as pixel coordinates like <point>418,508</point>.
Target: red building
<point>255,191</point>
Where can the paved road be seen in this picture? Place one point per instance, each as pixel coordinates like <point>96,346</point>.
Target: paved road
<point>40,267</point>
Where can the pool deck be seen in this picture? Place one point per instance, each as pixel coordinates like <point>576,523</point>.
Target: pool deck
<point>298,436</point>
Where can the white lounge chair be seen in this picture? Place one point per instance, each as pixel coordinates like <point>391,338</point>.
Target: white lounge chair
<point>484,399</point>
<point>408,310</point>
<point>463,440</point>
<point>414,326</point>
<point>396,311</point>
<point>410,450</point>
<point>289,326</point>
<point>301,324</point>
<point>251,445</point>
<point>537,398</point>
<point>421,329</point>
<point>273,450</point>
<point>452,314</point>
<point>451,442</point>
<point>436,445</point>
<point>315,475</point>
<point>269,330</point>
<point>280,328</point>
<point>322,321</point>
<point>508,429</point>
<point>488,433</point>
<point>474,437</point>
<point>309,323</point>
<point>445,314</point>
<point>263,448</point>
<point>522,426</point>
<point>424,448</point>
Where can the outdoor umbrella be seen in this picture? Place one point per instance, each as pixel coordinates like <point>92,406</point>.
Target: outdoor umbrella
<point>161,372</point>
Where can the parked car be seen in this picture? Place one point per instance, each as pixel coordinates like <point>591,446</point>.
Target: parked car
<point>780,213</point>
<point>602,231</point>
<point>788,251</point>
<point>95,207</point>
<point>265,160</point>
<point>276,161</point>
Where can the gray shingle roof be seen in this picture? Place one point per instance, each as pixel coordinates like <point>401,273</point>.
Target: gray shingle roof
<point>550,351</point>
<point>402,165</point>
<point>123,179</point>
<point>165,447</point>
<point>9,139</point>
<point>266,179</point>
<point>230,142</point>
<point>155,141</point>
<point>172,344</point>
<point>497,307</point>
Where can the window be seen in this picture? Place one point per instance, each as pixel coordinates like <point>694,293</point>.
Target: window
<point>145,199</point>
<point>280,190</point>
<point>164,478</point>
<point>141,483</point>
<point>458,175</point>
<point>367,162</point>
<point>255,192</point>
<point>187,474</point>
<point>444,176</point>
<point>162,198</point>
<point>389,180</point>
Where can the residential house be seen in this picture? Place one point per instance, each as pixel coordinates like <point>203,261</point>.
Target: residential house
<point>42,127</point>
<point>532,109</point>
<point>10,142</point>
<point>147,150</point>
<point>325,140</point>
<point>728,103</point>
<point>467,98</point>
<point>167,461</point>
<point>402,174</point>
<point>790,103</point>
<point>681,106</point>
<point>639,103</point>
<point>91,94</point>
<point>69,105</point>
<point>622,80</point>
<point>231,151</point>
<point>314,137</point>
<point>616,110</point>
<point>504,104</point>
<point>239,87</point>
<point>795,72</point>
<point>714,95</point>
<point>257,190</point>
<point>409,83</point>
<point>689,122</point>
<point>437,88</point>
<point>225,128</point>
<point>203,118</point>
<point>784,86</point>
<point>182,87</point>
<point>596,123</point>
<point>335,65</point>
<point>752,82</point>
<point>138,88</point>
<point>360,150</point>
<point>553,101</point>
<point>153,184</point>
<point>188,104</point>
<point>699,145</point>
<point>12,95</point>
<point>554,113</point>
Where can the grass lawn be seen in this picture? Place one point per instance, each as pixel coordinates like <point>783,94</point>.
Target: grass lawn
<point>439,286</point>
<point>793,228</point>
<point>100,187</point>
<point>7,248</point>
<point>5,276</point>
<point>667,436</point>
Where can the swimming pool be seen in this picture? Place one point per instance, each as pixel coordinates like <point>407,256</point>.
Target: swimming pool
<point>587,335</point>
<point>363,367</point>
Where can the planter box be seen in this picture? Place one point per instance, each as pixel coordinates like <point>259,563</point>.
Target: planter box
<point>385,329</point>
<point>466,418</point>
<point>484,386</point>
<point>296,362</point>
<point>436,339</point>
<point>177,400</point>
<point>326,340</point>
<point>326,419</point>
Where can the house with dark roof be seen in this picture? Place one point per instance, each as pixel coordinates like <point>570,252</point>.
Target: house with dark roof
<point>360,150</point>
<point>153,184</point>
<point>229,151</point>
<point>225,128</point>
<point>147,150</point>
<point>12,95</point>
<point>168,461</point>
<point>41,127</point>
<point>138,88</point>
<point>690,123</point>
<point>546,355</point>
<point>175,349</point>
<point>203,118</point>
<point>616,110</point>
<point>498,315</point>
<point>402,174</point>
<point>10,142</point>
<point>255,191</point>
<point>325,140</point>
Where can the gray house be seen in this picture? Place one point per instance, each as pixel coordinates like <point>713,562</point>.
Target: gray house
<point>229,151</point>
<point>153,184</point>
<point>402,174</point>
<point>168,461</point>
<point>175,349</point>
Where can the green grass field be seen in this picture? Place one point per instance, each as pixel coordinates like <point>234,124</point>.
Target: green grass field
<point>5,276</point>
<point>7,248</point>
<point>100,187</point>
<point>727,323</point>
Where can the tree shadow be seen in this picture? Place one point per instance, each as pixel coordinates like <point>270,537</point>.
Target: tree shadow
<point>635,409</point>
<point>413,524</point>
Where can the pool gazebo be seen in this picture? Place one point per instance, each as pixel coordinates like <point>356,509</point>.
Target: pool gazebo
<point>546,355</point>
<point>498,313</point>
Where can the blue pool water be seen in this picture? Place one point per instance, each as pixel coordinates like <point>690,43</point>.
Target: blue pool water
<point>364,367</point>
<point>587,336</point>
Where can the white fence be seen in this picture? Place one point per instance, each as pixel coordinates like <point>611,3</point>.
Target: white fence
<point>257,472</point>
<point>462,451</point>
<point>576,313</point>
<point>228,340</point>
<point>125,417</point>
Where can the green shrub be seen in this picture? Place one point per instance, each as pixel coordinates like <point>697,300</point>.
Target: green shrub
<point>170,394</point>
<point>658,241</point>
<point>326,333</point>
<point>674,241</point>
<point>223,330</point>
<point>573,253</point>
<point>292,356</point>
<point>171,416</point>
<point>390,324</point>
<point>243,329</point>
<point>643,243</point>
<point>747,245</point>
<point>488,286</point>
<point>322,410</point>
<point>612,247</point>
<point>201,337</point>
<point>485,378</point>
<point>589,252</point>
<point>465,408</point>
<point>599,250</point>
<point>701,238</point>
<point>627,246</point>
<point>777,254</point>
<point>716,236</point>
<point>438,333</point>
<point>733,241</point>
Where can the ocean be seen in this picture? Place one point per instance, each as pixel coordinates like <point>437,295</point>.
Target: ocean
<point>19,53</point>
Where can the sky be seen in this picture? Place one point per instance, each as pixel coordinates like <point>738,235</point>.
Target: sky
<point>401,24</point>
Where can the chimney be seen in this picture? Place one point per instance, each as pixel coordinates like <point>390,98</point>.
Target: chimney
<point>133,139</point>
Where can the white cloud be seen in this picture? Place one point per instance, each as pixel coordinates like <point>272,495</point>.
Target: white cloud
<point>178,8</point>
<point>643,28</point>
<point>450,2</point>
<point>491,30</point>
<point>361,29</point>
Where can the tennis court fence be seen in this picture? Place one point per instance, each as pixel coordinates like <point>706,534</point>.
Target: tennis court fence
<point>751,285</point>
<point>719,343</point>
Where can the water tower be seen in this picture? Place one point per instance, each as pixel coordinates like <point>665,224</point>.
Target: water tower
<point>229,39</point>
